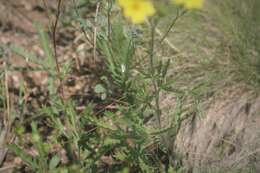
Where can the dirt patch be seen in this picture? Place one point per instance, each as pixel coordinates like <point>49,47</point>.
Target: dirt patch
<point>17,28</point>
<point>21,15</point>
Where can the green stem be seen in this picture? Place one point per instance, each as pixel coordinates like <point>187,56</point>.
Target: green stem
<point>154,80</point>
<point>110,5</point>
<point>175,19</point>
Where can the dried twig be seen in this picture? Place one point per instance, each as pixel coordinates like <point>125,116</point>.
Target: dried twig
<point>7,121</point>
<point>95,33</point>
<point>54,35</point>
<point>7,112</point>
<point>7,168</point>
<point>54,31</point>
<point>54,27</point>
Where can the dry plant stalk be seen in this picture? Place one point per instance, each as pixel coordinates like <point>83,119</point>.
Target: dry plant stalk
<point>95,33</point>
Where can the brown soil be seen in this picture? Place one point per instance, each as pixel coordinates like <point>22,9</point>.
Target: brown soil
<point>17,28</point>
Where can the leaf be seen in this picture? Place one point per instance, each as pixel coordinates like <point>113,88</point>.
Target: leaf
<point>144,166</point>
<point>171,170</point>
<point>24,156</point>
<point>120,155</point>
<point>99,89</point>
<point>125,170</point>
<point>25,54</point>
<point>100,123</point>
<point>55,160</point>
<point>165,68</point>
<point>45,43</point>
<point>110,141</point>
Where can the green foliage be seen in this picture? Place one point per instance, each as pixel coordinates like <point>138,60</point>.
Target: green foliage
<point>118,139</point>
<point>39,163</point>
<point>88,137</point>
<point>119,54</point>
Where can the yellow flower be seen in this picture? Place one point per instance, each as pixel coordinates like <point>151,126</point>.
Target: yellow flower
<point>190,4</point>
<point>137,10</point>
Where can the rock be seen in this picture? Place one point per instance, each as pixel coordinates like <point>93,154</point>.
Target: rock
<point>217,86</point>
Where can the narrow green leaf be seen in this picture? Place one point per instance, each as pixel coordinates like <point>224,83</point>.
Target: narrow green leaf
<point>28,56</point>
<point>46,45</point>
<point>55,160</point>
<point>24,156</point>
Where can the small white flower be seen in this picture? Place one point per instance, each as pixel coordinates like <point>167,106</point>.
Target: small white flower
<point>123,68</point>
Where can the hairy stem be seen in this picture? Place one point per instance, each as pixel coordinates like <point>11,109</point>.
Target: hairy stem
<point>175,19</point>
<point>154,80</point>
